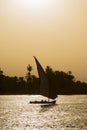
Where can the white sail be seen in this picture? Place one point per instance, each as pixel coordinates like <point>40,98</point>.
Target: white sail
<point>44,86</point>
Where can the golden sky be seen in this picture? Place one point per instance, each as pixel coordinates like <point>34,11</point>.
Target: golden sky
<point>55,31</point>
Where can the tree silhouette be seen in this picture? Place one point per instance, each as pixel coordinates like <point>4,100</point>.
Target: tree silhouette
<point>1,80</point>
<point>60,82</point>
<point>48,70</point>
<point>1,72</point>
<point>28,76</point>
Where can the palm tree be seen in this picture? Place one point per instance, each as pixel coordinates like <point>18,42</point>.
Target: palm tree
<point>28,76</point>
<point>29,68</point>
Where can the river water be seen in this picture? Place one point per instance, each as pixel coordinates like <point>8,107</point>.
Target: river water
<point>69,113</point>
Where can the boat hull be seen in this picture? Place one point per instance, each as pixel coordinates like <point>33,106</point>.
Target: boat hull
<point>43,102</point>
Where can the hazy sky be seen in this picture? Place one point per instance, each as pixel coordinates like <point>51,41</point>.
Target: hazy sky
<point>55,31</point>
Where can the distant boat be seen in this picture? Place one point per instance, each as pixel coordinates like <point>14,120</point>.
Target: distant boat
<point>44,86</point>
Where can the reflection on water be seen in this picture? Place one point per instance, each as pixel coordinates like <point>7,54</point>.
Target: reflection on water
<point>46,107</point>
<point>69,113</point>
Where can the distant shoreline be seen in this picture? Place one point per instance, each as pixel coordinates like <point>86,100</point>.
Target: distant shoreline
<point>39,94</point>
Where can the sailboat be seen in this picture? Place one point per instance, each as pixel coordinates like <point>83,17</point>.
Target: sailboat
<point>44,86</point>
